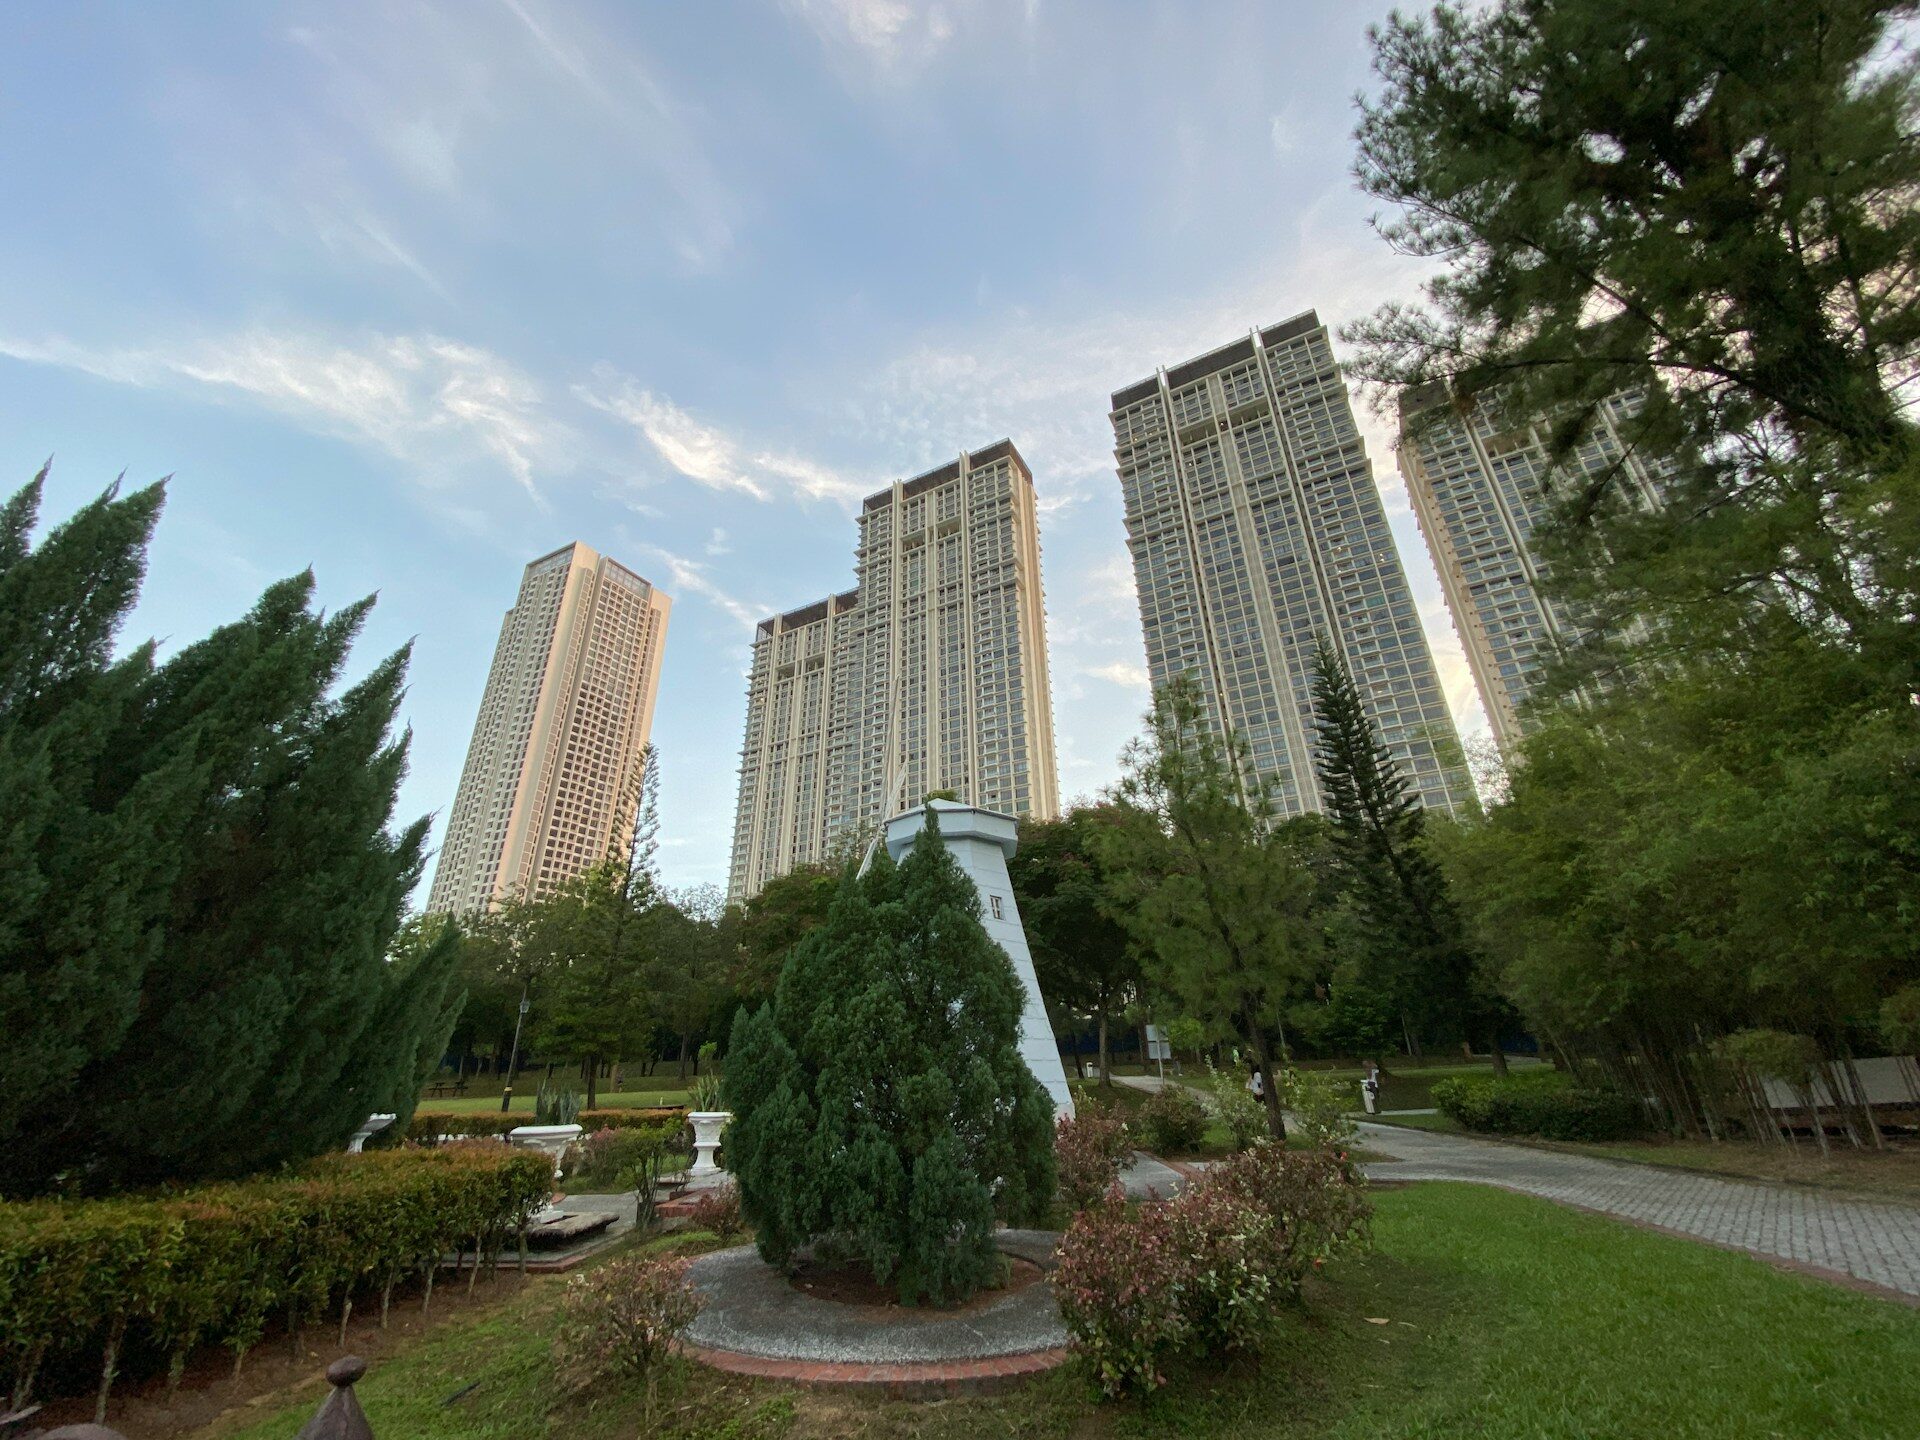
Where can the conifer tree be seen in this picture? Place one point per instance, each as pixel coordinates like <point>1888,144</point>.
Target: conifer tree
<point>202,886</point>
<point>1417,954</point>
<point>880,1098</point>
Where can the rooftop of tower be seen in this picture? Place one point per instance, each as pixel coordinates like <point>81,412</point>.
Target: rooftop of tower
<point>1232,353</point>
<point>940,474</point>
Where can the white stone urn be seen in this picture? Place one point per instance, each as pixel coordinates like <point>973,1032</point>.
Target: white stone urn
<point>550,1139</point>
<point>707,1125</point>
<point>369,1128</point>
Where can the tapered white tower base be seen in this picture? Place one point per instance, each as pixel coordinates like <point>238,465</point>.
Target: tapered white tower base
<point>983,841</point>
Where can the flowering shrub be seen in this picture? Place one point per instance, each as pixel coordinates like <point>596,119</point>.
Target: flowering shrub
<point>1318,1104</point>
<point>1089,1149</point>
<point>622,1318</point>
<point>1312,1204</point>
<point>1223,1240</point>
<point>1173,1121</point>
<point>1231,1105</point>
<point>1119,1278</point>
<point>718,1210</point>
<point>1202,1272</point>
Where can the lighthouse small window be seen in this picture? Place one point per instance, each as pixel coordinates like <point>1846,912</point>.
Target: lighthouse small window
<point>998,913</point>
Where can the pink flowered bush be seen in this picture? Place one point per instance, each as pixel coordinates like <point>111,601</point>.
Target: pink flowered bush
<point>1118,1280</point>
<point>1205,1271</point>
<point>1089,1150</point>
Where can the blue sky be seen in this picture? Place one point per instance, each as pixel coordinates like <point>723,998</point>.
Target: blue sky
<point>413,293</point>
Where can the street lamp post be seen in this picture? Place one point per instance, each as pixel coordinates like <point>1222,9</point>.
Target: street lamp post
<point>513,1056</point>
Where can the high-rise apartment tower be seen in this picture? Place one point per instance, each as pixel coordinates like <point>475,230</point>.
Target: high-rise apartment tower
<point>931,675</point>
<point>1481,481</point>
<point>553,772</point>
<point>1255,528</point>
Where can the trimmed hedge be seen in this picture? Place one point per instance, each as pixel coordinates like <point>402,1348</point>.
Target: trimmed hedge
<point>431,1126</point>
<point>1544,1103</point>
<point>210,1265</point>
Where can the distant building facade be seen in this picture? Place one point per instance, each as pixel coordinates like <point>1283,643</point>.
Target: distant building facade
<point>930,675</point>
<point>1255,527</point>
<point>1481,481</point>
<point>553,771</point>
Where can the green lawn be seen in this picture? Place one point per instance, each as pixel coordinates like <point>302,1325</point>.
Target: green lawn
<point>1504,1316</point>
<point>668,1092</point>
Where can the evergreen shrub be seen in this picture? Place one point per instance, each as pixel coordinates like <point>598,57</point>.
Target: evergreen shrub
<point>1202,1272</point>
<point>1172,1121</point>
<point>880,1102</point>
<point>211,1265</point>
<point>1544,1103</point>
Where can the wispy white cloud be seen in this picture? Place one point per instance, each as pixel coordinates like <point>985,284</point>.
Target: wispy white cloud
<point>426,400</point>
<point>1120,672</point>
<point>691,577</point>
<point>656,128</point>
<point>890,34</point>
<point>708,455</point>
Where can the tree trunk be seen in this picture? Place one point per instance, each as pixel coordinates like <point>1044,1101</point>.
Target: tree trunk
<point>1413,1041</point>
<point>1276,1118</point>
<point>1106,1058</point>
<point>1498,1055</point>
<point>109,1367</point>
<point>593,1081</point>
<point>1079,1060</point>
<point>686,1044</point>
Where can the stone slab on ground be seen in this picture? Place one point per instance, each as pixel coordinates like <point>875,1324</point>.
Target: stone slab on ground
<point>753,1311</point>
<point>1873,1243</point>
<point>621,1207</point>
<point>570,1228</point>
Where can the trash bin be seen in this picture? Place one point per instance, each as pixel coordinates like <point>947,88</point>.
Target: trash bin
<point>1370,1095</point>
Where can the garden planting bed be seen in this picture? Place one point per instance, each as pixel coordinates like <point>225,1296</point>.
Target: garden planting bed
<point>758,1321</point>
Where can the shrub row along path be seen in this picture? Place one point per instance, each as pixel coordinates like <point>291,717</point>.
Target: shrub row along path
<point>1871,1242</point>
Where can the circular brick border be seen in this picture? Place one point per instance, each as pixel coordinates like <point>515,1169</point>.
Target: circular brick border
<point>756,1326</point>
<point>923,1380</point>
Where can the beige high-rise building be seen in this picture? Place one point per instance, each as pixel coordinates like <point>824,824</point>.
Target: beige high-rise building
<point>930,675</point>
<point>553,771</point>
<point>1256,528</point>
<point>1481,481</point>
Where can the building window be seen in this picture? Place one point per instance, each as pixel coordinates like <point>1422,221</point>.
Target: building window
<point>998,914</point>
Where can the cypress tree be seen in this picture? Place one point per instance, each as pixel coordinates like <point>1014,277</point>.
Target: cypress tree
<point>1416,952</point>
<point>880,1099</point>
<point>203,889</point>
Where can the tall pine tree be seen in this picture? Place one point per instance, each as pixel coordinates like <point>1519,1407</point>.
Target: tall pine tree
<point>1415,949</point>
<point>202,887</point>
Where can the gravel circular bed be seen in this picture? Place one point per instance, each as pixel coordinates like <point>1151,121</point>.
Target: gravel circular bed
<point>752,1309</point>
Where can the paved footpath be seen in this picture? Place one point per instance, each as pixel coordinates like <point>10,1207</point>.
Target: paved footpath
<point>1877,1243</point>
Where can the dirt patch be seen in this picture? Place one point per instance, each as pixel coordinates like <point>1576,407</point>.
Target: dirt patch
<point>852,1285</point>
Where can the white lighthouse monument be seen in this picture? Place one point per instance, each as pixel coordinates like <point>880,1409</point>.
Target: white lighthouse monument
<point>983,841</point>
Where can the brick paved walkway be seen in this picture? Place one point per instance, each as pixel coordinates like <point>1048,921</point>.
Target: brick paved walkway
<point>1876,1243</point>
